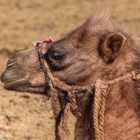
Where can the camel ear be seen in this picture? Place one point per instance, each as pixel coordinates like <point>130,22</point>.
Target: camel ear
<point>112,46</point>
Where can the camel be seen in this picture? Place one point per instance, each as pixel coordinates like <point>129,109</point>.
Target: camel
<point>97,62</point>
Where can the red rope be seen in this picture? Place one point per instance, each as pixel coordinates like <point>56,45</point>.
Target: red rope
<point>47,41</point>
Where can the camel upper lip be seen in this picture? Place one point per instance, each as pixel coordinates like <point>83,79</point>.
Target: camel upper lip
<point>2,78</point>
<point>6,80</point>
<point>12,85</point>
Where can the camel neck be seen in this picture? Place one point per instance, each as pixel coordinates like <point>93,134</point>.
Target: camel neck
<point>121,116</point>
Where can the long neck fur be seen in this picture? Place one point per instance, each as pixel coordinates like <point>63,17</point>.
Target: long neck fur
<point>122,120</point>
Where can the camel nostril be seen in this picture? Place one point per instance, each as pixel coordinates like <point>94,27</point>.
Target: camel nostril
<point>11,62</point>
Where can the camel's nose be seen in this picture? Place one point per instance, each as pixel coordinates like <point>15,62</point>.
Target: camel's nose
<point>1,77</point>
<point>11,62</point>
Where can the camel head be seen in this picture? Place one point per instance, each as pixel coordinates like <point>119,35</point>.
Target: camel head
<point>94,50</point>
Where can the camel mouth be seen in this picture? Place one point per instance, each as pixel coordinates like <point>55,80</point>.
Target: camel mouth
<point>16,85</point>
<point>20,84</point>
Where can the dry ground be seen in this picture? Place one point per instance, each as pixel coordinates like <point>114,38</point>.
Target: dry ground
<point>26,116</point>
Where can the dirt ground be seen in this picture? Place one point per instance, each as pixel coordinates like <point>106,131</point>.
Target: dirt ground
<point>25,116</point>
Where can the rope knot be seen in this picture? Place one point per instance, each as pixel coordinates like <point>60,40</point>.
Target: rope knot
<point>38,43</point>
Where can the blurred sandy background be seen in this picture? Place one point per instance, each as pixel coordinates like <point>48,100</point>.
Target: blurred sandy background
<point>26,116</point>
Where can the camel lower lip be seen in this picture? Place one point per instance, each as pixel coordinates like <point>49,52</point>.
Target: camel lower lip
<point>11,85</point>
<point>15,82</point>
<point>36,89</point>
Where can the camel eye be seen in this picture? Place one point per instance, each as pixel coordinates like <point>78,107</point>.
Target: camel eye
<point>57,56</point>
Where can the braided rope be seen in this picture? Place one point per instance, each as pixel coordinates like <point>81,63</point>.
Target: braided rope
<point>63,123</point>
<point>98,107</point>
<point>73,104</point>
